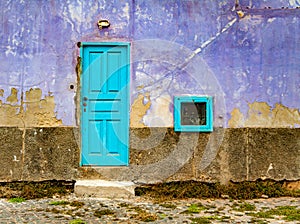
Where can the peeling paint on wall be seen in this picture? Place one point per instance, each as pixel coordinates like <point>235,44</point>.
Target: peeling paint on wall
<point>237,119</point>
<point>159,115</point>
<point>260,114</point>
<point>252,50</point>
<point>138,109</point>
<point>39,111</point>
<point>13,98</point>
<point>34,111</point>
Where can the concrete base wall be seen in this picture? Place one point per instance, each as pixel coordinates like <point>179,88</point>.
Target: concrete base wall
<point>156,155</point>
<point>38,154</point>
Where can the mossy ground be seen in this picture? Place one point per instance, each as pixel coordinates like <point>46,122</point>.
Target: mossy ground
<point>290,213</point>
<point>194,189</point>
<point>31,190</point>
<point>163,191</point>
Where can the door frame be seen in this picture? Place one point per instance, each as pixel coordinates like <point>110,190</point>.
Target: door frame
<point>99,44</point>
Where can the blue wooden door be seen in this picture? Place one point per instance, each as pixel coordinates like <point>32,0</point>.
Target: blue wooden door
<point>105,104</point>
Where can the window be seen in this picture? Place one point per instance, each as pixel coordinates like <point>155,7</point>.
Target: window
<point>193,113</point>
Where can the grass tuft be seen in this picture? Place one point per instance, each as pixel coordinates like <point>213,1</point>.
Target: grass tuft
<point>244,207</point>
<point>290,213</point>
<point>195,208</point>
<point>16,200</point>
<point>77,221</point>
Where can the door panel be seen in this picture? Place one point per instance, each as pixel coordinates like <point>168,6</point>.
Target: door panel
<point>105,104</point>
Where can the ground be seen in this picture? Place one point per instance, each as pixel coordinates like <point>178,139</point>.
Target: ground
<point>71,209</point>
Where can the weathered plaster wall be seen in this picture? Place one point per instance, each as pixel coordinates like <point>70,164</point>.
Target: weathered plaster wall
<point>245,53</point>
<point>248,50</point>
<point>259,65</point>
<point>38,154</point>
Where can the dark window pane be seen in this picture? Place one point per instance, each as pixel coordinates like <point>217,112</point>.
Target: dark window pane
<point>193,113</point>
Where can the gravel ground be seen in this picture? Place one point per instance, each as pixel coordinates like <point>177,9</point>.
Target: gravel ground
<point>72,209</point>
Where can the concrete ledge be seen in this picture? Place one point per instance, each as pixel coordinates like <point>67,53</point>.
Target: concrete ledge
<point>104,189</point>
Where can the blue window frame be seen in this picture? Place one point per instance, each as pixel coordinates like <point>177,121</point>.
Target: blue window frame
<point>193,113</point>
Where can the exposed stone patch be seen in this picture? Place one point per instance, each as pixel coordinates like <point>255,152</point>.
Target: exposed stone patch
<point>292,185</point>
<point>260,114</point>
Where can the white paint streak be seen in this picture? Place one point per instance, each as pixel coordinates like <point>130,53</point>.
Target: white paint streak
<point>211,39</point>
<point>271,20</point>
<point>126,11</point>
<point>270,168</point>
<point>294,3</point>
<point>10,50</point>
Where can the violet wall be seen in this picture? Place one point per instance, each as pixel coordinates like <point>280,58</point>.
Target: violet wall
<point>246,55</point>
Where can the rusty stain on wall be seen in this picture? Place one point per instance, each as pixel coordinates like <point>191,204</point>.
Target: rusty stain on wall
<point>34,111</point>
<point>138,110</point>
<point>260,114</point>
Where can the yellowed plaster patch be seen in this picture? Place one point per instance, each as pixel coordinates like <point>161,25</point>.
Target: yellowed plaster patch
<point>40,112</point>
<point>285,116</point>
<point>1,92</point>
<point>33,112</point>
<point>138,110</point>
<point>9,115</point>
<point>13,97</point>
<point>260,114</point>
<point>140,87</point>
<point>33,95</point>
<point>237,118</point>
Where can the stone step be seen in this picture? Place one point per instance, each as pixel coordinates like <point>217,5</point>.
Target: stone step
<point>104,189</point>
